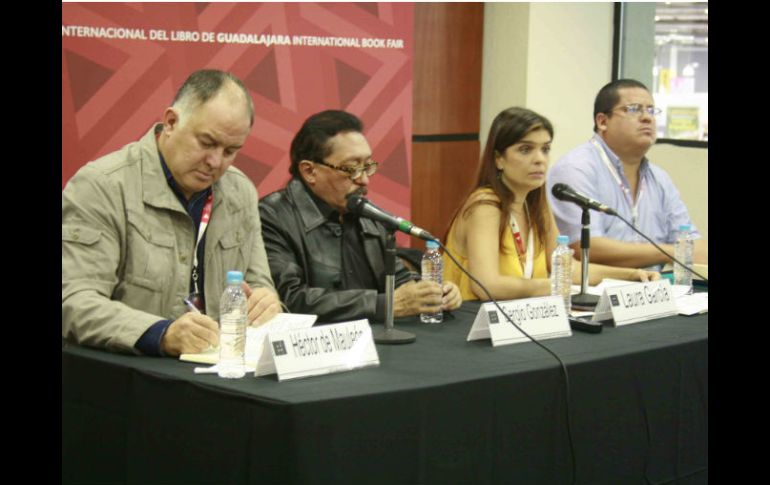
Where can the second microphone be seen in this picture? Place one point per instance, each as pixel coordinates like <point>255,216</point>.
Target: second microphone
<point>363,207</point>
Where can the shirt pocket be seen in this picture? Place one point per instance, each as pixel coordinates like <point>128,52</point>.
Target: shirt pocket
<point>150,259</point>
<point>84,256</point>
<point>235,249</point>
<point>72,233</point>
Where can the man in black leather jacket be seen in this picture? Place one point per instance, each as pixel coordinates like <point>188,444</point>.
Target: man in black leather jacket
<point>324,260</point>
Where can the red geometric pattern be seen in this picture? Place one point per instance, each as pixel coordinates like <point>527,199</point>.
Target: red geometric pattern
<point>113,90</point>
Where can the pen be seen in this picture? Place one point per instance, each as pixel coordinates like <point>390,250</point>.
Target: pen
<point>192,307</point>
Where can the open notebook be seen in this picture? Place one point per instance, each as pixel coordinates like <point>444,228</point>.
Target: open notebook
<point>255,338</point>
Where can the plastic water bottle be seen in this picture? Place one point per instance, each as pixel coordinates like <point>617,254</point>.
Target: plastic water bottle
<point>683,248</point>
<point>432,268</point>
<point>233,312</point>
<point>561,271</point>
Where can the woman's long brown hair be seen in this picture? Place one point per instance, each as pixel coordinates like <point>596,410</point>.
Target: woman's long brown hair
<point>508,128</point>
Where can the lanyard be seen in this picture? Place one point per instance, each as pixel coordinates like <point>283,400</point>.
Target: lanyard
<point>205,216</point>
<point>629,197</point>
<point>527,267</point>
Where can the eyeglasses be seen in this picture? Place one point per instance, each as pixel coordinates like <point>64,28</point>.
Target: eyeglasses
<point>636,109</point>
<point>369,168</point>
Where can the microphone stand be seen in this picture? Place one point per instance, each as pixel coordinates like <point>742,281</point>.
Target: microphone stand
<point>388,334</point>
<point>584,301</point>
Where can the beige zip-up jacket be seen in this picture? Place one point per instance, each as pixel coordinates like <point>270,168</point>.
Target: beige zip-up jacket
<point>127,246</point>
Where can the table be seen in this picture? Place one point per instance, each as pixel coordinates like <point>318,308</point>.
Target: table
<point>440,410</point>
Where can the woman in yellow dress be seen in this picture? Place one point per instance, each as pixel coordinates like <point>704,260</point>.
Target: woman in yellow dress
<point>504,232</point>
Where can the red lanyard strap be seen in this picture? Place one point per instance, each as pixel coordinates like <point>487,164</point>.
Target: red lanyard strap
<point>205,217</point>
<point>527,265</point>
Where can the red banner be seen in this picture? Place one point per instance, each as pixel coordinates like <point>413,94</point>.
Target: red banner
<point>123,62</point>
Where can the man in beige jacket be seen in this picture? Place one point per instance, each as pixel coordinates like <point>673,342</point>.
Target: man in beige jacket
<point>161,221</point>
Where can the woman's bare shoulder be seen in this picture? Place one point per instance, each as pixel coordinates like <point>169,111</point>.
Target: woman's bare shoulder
<point>485,195</point>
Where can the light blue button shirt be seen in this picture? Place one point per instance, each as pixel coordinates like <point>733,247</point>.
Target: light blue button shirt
<point>661,210</point>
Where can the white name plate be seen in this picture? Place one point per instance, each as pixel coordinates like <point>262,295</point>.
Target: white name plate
<point>542,318</point>
<point>258,356</point>
<point>323,349</point>
<point>637,302</point>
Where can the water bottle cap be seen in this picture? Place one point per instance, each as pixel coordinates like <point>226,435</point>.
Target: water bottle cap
<point>685,227</point>
<point>431,244</point>
<point>234,277</point>
<point>562,239</point>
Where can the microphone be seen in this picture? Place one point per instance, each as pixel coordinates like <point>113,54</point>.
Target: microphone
<point>362,207</point>
<point>565,192</point>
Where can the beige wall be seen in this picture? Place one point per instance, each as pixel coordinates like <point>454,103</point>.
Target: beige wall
<point>503,68</point>
<point>553,58</point>
<point>571,51</point>
<point>538,56</point>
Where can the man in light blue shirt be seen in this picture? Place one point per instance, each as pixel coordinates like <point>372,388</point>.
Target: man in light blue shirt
<point>612,169</point>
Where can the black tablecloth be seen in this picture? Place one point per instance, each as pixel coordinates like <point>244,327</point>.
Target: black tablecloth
<point>440,410</point>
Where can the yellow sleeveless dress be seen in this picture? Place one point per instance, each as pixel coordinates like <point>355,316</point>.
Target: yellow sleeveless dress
<point>509,259</point>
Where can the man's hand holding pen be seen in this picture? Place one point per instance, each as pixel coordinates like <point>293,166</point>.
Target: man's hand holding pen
<point>195,332</point>
<point>191,333</point>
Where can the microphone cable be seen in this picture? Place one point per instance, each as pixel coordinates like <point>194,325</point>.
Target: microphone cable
<point>566,193</point>
<point>561,364</point>
<point>660,248</point>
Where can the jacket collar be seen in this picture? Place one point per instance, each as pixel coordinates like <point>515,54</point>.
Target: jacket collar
<point>155,189</point>
<point>313,216</point>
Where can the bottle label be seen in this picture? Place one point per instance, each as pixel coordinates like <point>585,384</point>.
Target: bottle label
<point>232,322</point>
<point>232,337</point>
<point>683,250</point>
<point>432,270</point>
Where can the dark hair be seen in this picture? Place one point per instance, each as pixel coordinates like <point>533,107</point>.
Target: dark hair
<point>202,85</point>
<point>608,96</point>
<point>508,128</point>
<point>312,140</point>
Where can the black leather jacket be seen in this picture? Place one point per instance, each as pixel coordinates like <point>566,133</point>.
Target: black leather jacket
<point>304,251</point>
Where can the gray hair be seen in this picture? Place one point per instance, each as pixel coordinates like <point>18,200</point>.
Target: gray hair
<point>203,85</point>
